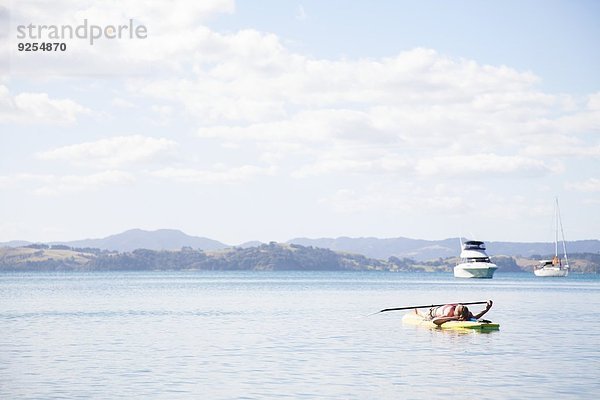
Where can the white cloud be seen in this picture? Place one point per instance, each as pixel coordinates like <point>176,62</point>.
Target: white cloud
<point>122,103</point>
<point>219,174</point>
<point>405,197</point>
<point>436,112</point>
<point>37,108</point>
<point>357,160</point>
<point>590,185</point>
<point>113,152</point>
<point>594,102</point>
<point>53,185</point>
<point>321,125</point>
<point>484,165</point>
<point>41,107</point>
<point>16,179</point>
<point>457,166</point>
<point>82,183</point>
<point>569,147</point>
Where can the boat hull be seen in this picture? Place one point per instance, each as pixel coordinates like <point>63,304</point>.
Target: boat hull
<point>416,319</point>
<point>475,270</point>
<point>551,272</point>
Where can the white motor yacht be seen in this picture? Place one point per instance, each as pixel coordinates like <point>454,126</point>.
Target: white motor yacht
<point>474,261</point>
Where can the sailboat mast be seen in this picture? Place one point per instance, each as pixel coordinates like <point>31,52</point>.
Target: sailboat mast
<point>562,232</point>
<point>556,219</point>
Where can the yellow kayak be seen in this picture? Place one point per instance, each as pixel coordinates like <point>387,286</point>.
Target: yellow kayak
<point>481,325</point>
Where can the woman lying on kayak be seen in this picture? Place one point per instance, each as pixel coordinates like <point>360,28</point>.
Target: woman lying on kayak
<point>453,312</point>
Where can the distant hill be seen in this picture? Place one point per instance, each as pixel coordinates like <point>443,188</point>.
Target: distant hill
<point>532,249</point>
<point>382,249</point>
<point>266,257</point>
<point>162,239</point>
<point>423,250</point>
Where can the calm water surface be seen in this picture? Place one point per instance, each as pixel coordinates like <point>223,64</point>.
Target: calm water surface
<point>249,335</point>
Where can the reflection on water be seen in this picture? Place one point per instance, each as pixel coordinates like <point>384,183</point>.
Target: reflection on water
<point>300,335</point>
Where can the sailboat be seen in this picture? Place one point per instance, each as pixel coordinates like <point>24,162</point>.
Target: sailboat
<point>555,267</point>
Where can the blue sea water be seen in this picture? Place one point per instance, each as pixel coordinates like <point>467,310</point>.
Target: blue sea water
<point>273,335</point>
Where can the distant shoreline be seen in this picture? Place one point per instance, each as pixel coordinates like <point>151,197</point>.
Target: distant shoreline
<point>265,257</point>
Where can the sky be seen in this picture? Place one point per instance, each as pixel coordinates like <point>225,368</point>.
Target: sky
<point>271,120</point>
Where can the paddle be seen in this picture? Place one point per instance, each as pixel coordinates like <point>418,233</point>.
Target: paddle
<point>429,306</point>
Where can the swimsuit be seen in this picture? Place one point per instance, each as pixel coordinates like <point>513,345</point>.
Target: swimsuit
<point>442,311</point>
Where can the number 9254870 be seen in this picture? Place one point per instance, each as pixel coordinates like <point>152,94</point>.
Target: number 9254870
<point>44,46</point>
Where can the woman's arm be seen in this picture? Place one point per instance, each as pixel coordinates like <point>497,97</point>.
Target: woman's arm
<point>487,308</point>
<point>441,320</point>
